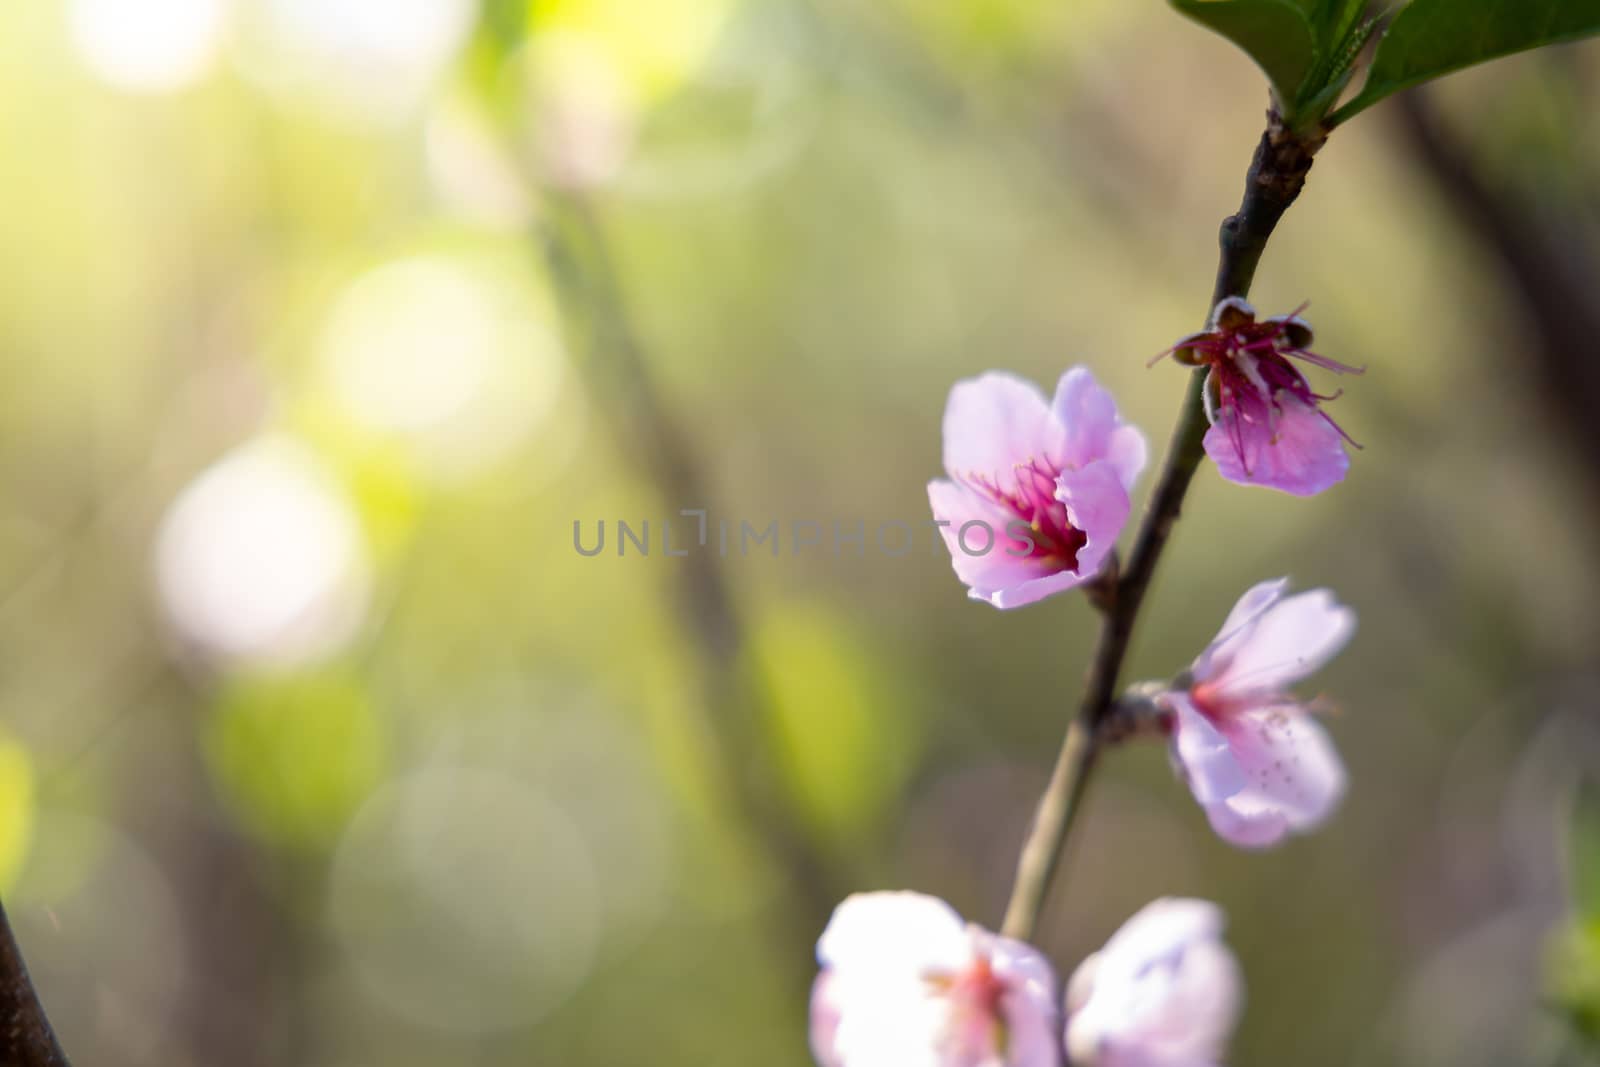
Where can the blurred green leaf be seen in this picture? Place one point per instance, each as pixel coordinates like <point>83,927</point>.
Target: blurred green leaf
<point>1431,38</point>
<point>1277,34</point>
<point>296,755</point>
<point>844,739</point>
<point>1573,978</point>
<point>1573,954</point>
<point>1583,851</point>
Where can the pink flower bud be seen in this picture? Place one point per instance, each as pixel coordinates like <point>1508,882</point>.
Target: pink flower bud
<point>1164,992</point>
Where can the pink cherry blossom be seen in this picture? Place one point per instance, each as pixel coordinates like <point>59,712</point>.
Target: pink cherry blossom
<point>906,983</point>
<point>1254,756</point>
<point>1038,491</point>
<point>1164,992</point>
<point>1267,426</point>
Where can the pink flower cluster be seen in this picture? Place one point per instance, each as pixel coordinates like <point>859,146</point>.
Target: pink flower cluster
<point>905,982</point>
<point>1049,481</point>
<point>1056,476</point>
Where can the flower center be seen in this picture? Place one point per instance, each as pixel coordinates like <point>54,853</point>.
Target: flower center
<point>1206,700</point>
<point>977,1027</point>
<point>1052,540</point>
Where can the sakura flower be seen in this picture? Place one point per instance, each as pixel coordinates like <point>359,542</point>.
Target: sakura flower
<point>1267,426</point>
<point>1254,756</point>
<point>906,983</point>
<point>1038,491</point>
<point>1164,992</point>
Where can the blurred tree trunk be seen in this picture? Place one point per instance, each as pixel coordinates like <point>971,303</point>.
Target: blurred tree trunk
<point>1551,271</point>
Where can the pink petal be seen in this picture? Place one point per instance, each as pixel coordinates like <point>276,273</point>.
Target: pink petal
<point>1080,987</point>
<point>825,1010</point>
<point>1192,1013</point>
<point>1128,454</point>
<point>1288,641</point>
<point>1094,430</point>
<point>1296,778</point>
<point>1297,450</point>
<point>1002,576</point>
<point>1097,503</point>
<point>1250,607</point>
<point>1030,1005</point>
<point>897,990</point>
<point>1201,753</point>
<point>1028,592</point>
<point>909,933</point>
<point>1247,825</point>
<point>1089,415</point>
<point>1156,930</point>
<point>1239,623</point>
<point>994,422</point>
<point>1164,992</point>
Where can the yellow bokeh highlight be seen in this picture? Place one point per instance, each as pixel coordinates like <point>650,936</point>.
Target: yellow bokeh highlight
<point>18,809</point>
<point>656,47</point>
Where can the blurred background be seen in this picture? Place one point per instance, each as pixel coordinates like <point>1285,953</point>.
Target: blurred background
<point>324,321</point>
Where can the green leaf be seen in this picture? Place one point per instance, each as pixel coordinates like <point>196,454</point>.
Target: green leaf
<point>1431,38</point>
<point>1583,851</point>
<point>1327,82</point>
<point>1334,19</point>
<point>1277,34</point>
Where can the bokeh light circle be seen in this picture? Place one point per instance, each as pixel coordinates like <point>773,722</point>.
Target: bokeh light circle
<point>365,60</point>
<point>444,356</point>
<point>150,45</point>
<point>261,559</point>
<point>464,900</point>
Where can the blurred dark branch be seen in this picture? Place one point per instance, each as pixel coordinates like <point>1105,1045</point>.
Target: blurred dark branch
<point>1554,277</point>
<point>245,957</point>
<point>1276,176</point>
<point>741,714</point>
<point>26,1039</point>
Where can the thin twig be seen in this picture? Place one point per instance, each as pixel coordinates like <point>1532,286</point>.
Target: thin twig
<point>1276,176</point>
<point>26,1039</point>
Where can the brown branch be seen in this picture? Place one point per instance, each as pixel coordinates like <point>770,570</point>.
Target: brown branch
<point>1276,176</point>
<point>26,1039</point>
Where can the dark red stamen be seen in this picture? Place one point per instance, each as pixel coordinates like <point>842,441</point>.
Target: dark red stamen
<point>1251,359</point>
<point>1032,500</point>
